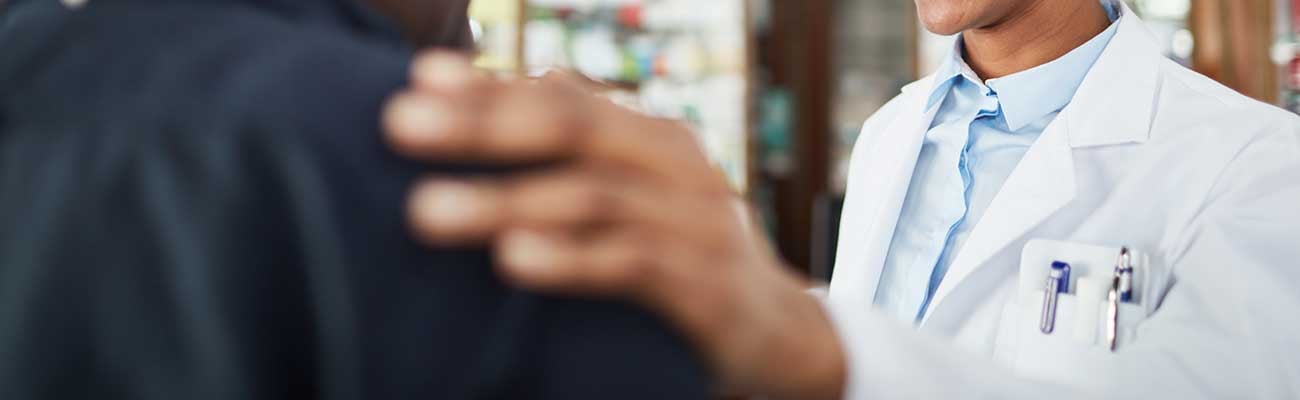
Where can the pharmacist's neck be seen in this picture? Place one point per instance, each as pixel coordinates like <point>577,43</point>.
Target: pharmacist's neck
<point>1042,32</point>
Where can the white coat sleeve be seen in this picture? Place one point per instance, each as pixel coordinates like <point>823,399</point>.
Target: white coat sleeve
<point>1226,328</point>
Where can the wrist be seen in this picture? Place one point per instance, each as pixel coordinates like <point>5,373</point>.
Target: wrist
<point>762,332</point>
<point>815,365</point>
<point>788,341</point>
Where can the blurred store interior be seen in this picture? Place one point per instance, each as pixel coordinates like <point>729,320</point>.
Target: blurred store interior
<point>778,89</point>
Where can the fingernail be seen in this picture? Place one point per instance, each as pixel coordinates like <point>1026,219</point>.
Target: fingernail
<point>424,118</point>
<point>450,207</point>
<point>527,251</point>
<point>444,72</point>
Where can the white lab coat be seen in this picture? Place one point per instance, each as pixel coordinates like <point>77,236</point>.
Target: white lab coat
<point>1149,155</point>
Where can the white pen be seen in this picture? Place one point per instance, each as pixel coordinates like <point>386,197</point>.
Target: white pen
<point>1112,313</point>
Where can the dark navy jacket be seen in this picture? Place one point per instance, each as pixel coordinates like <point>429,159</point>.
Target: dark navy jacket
<point>196,203</point>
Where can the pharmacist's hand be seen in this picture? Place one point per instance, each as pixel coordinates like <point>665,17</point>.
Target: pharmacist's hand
<point>627,206</point>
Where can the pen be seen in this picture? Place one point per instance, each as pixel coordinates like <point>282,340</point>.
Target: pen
<point>1121,290</point>
<point>1112,313</point>
<point>1058,281</point>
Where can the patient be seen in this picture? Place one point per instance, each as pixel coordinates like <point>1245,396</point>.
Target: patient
<point>195,203</point>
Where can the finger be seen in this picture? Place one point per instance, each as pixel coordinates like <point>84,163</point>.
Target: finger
<point>585,197</point>
<point>619,263</point>
<point>451,212</point>
<point>609,132</point>
<point>548,122</point>
<point>521,125</point>
<point>663,149</point>
<point>458,211</point>
<point>426,126</point>
<point>530,123</point>
<point>447,73</point>
<point>569,198</point>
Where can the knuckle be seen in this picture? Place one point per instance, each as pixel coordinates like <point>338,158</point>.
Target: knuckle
<point>635,268</point>
<point>531,123</point>
<point>596,201</point>
<point>643,255</point>
<point>568,198</point>
<point>627,263</point>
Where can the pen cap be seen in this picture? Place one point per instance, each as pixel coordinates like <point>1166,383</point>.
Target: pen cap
<point>1064,269</point>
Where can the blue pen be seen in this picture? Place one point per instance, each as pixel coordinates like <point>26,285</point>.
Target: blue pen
<point>1058,281</point>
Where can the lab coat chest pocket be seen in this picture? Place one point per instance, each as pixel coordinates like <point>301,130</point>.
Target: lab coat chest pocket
<point>1075,343</point>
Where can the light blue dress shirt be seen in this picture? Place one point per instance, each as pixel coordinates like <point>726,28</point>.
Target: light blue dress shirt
<point>978,136</point>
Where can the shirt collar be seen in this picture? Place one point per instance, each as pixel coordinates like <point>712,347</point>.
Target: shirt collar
<point>1032,94</point>
<point>954,67</point>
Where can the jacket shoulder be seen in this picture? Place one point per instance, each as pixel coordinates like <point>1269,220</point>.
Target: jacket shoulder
<point>217,65</point>
<point>1197,100</point>
<point>1209,121</point>
<point>1221,138</point>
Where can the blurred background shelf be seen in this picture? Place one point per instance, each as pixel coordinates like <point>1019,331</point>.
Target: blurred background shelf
<point>681,59</point>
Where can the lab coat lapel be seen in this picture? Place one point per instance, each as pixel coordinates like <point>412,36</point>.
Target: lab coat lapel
<point>1113,105</point>
<point>876,201</point>
<point>1041,184</point>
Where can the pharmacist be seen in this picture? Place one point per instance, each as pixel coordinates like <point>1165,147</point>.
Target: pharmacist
<point>1057,212</point>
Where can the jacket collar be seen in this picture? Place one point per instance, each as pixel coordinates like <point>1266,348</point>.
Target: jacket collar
<point>1100,115</point>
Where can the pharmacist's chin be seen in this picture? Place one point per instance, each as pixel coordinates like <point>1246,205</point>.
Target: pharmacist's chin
<point>950,17</point>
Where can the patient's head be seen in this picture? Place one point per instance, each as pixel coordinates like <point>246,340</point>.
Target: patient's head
<point>441,23</point>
